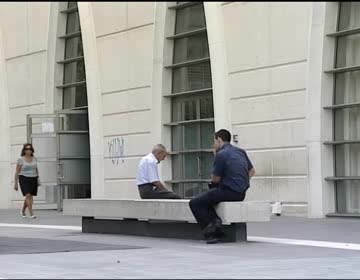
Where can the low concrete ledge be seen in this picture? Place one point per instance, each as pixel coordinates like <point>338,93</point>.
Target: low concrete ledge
<point>165,209</point>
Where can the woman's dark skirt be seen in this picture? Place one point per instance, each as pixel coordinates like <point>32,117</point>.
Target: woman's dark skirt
<point>28,185</point>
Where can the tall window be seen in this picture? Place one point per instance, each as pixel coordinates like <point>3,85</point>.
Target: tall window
<point>74,79</point>
<point>192,101</point>
<point>346,108</point>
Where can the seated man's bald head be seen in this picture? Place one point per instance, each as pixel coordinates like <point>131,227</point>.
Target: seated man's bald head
<point>160,152</point>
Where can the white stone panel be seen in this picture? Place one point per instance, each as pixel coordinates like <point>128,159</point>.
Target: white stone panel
<point>15,152</point>
<point>18,73</point>
<point>140,13</point>
<point>109,17</point>
<point>279,162</point>
<point>127,145</point>
<point>271,135</point>
<point>14,23</point>
<point>268,108</point>
<point>141,42</point>
<point>124,189</point>
<point>113,55</point>
<point>127,123</point>
<point>37,77</point>
<point>266,81</point>
<point>266,33</point>
<point>26,79</point>
<point>278,189</point>
<point>125,101</point>
<point>18,135</point>
<point>38,25</point>
<point>125,168</point>
<point>18,115</point>
<point>125,59</point>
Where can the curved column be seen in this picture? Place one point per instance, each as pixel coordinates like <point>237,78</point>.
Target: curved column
<point>5,158</point>
<point>219,69</point>
<point>94,99</point>
<point>321,193</point>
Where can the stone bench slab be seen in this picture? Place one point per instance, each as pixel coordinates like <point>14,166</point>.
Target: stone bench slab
<point>164,209</point>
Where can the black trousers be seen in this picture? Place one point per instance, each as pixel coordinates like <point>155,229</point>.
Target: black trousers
<point>149,191</point>
<point>202,206</point>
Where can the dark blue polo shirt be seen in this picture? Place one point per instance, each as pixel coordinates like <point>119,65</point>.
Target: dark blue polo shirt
<point>232,165</point>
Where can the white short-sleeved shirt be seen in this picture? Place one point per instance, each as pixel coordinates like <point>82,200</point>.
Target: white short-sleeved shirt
<point>147,170</point>
<point>28,169</point>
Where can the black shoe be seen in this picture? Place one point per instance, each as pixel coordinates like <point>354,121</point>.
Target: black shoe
<point>210,229</point>
<point>219,233</point>
<point>211,239</point>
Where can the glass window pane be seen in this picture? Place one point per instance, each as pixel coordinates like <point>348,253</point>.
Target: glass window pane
<point>207,135</point>
<point>177,167</point>
<point>207,160</point>
<point>348,51</point>
<point>74,72</point>
<point>178,189</point>
<point>206,107</point>
<point>194,189</point>
<point>73,122</point>
<point>347,124</point>
<point>190,110</point>
<point>192,77</point>
<point>347,87</point>
<point>347,160</point>
<point>191,48</point>
<point>74,97</point>
<point>81,97</point>
<point>191,136</point>
<point>191,166</point>
<point>72,4</point>
<point>73,47</point>
<point>177,138</point>
<point>348,196</point>
<point>349,15</point>
<point>73,23</point>
<point>190,18</point>
<point>177,109</point>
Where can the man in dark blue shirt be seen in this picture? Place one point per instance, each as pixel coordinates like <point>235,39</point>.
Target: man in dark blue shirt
<point>230,180</point>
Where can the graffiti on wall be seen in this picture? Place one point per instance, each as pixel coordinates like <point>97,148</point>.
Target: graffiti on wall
<point>116,150</point>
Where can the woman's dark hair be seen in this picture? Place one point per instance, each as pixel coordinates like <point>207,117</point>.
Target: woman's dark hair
<point>224,135</point>
<point>25,146</point>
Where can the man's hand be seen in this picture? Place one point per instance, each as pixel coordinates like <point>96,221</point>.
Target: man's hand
<point>215,179</point>
<point>251,172</point>
<point>16,187</point>
<point>159,185</point>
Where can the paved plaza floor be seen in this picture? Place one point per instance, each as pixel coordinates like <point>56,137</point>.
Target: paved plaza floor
<point>53,246</point>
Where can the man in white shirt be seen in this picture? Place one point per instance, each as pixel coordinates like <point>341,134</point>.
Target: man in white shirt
<point>147,178</point>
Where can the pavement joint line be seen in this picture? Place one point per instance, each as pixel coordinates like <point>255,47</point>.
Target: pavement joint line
<point>301,242</point>
<point>41,226</point>
<point>288,241</point>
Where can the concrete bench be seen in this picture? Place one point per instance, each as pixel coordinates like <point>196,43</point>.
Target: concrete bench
<point>162,217</point>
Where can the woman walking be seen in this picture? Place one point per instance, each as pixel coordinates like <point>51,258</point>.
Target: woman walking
<point>27,175</point>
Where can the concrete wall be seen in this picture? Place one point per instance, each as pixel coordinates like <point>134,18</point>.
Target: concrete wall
<point>24,28</point>
<point>259,58</point>
<point>125,43</point>
<point>267,62</point>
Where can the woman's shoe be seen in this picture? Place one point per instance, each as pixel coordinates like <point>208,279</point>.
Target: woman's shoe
<point>23,215</point>
<point>32,217</point>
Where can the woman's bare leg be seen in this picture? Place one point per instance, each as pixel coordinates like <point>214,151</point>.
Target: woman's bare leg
<point>29,203</point>
<point>24,206</point>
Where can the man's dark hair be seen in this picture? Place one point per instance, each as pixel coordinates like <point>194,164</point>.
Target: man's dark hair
<point>224,135</point>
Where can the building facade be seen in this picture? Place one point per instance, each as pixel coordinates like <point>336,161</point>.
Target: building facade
<point>280,76</point>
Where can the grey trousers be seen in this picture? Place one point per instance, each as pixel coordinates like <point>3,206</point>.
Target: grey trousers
<point>149,191</point>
